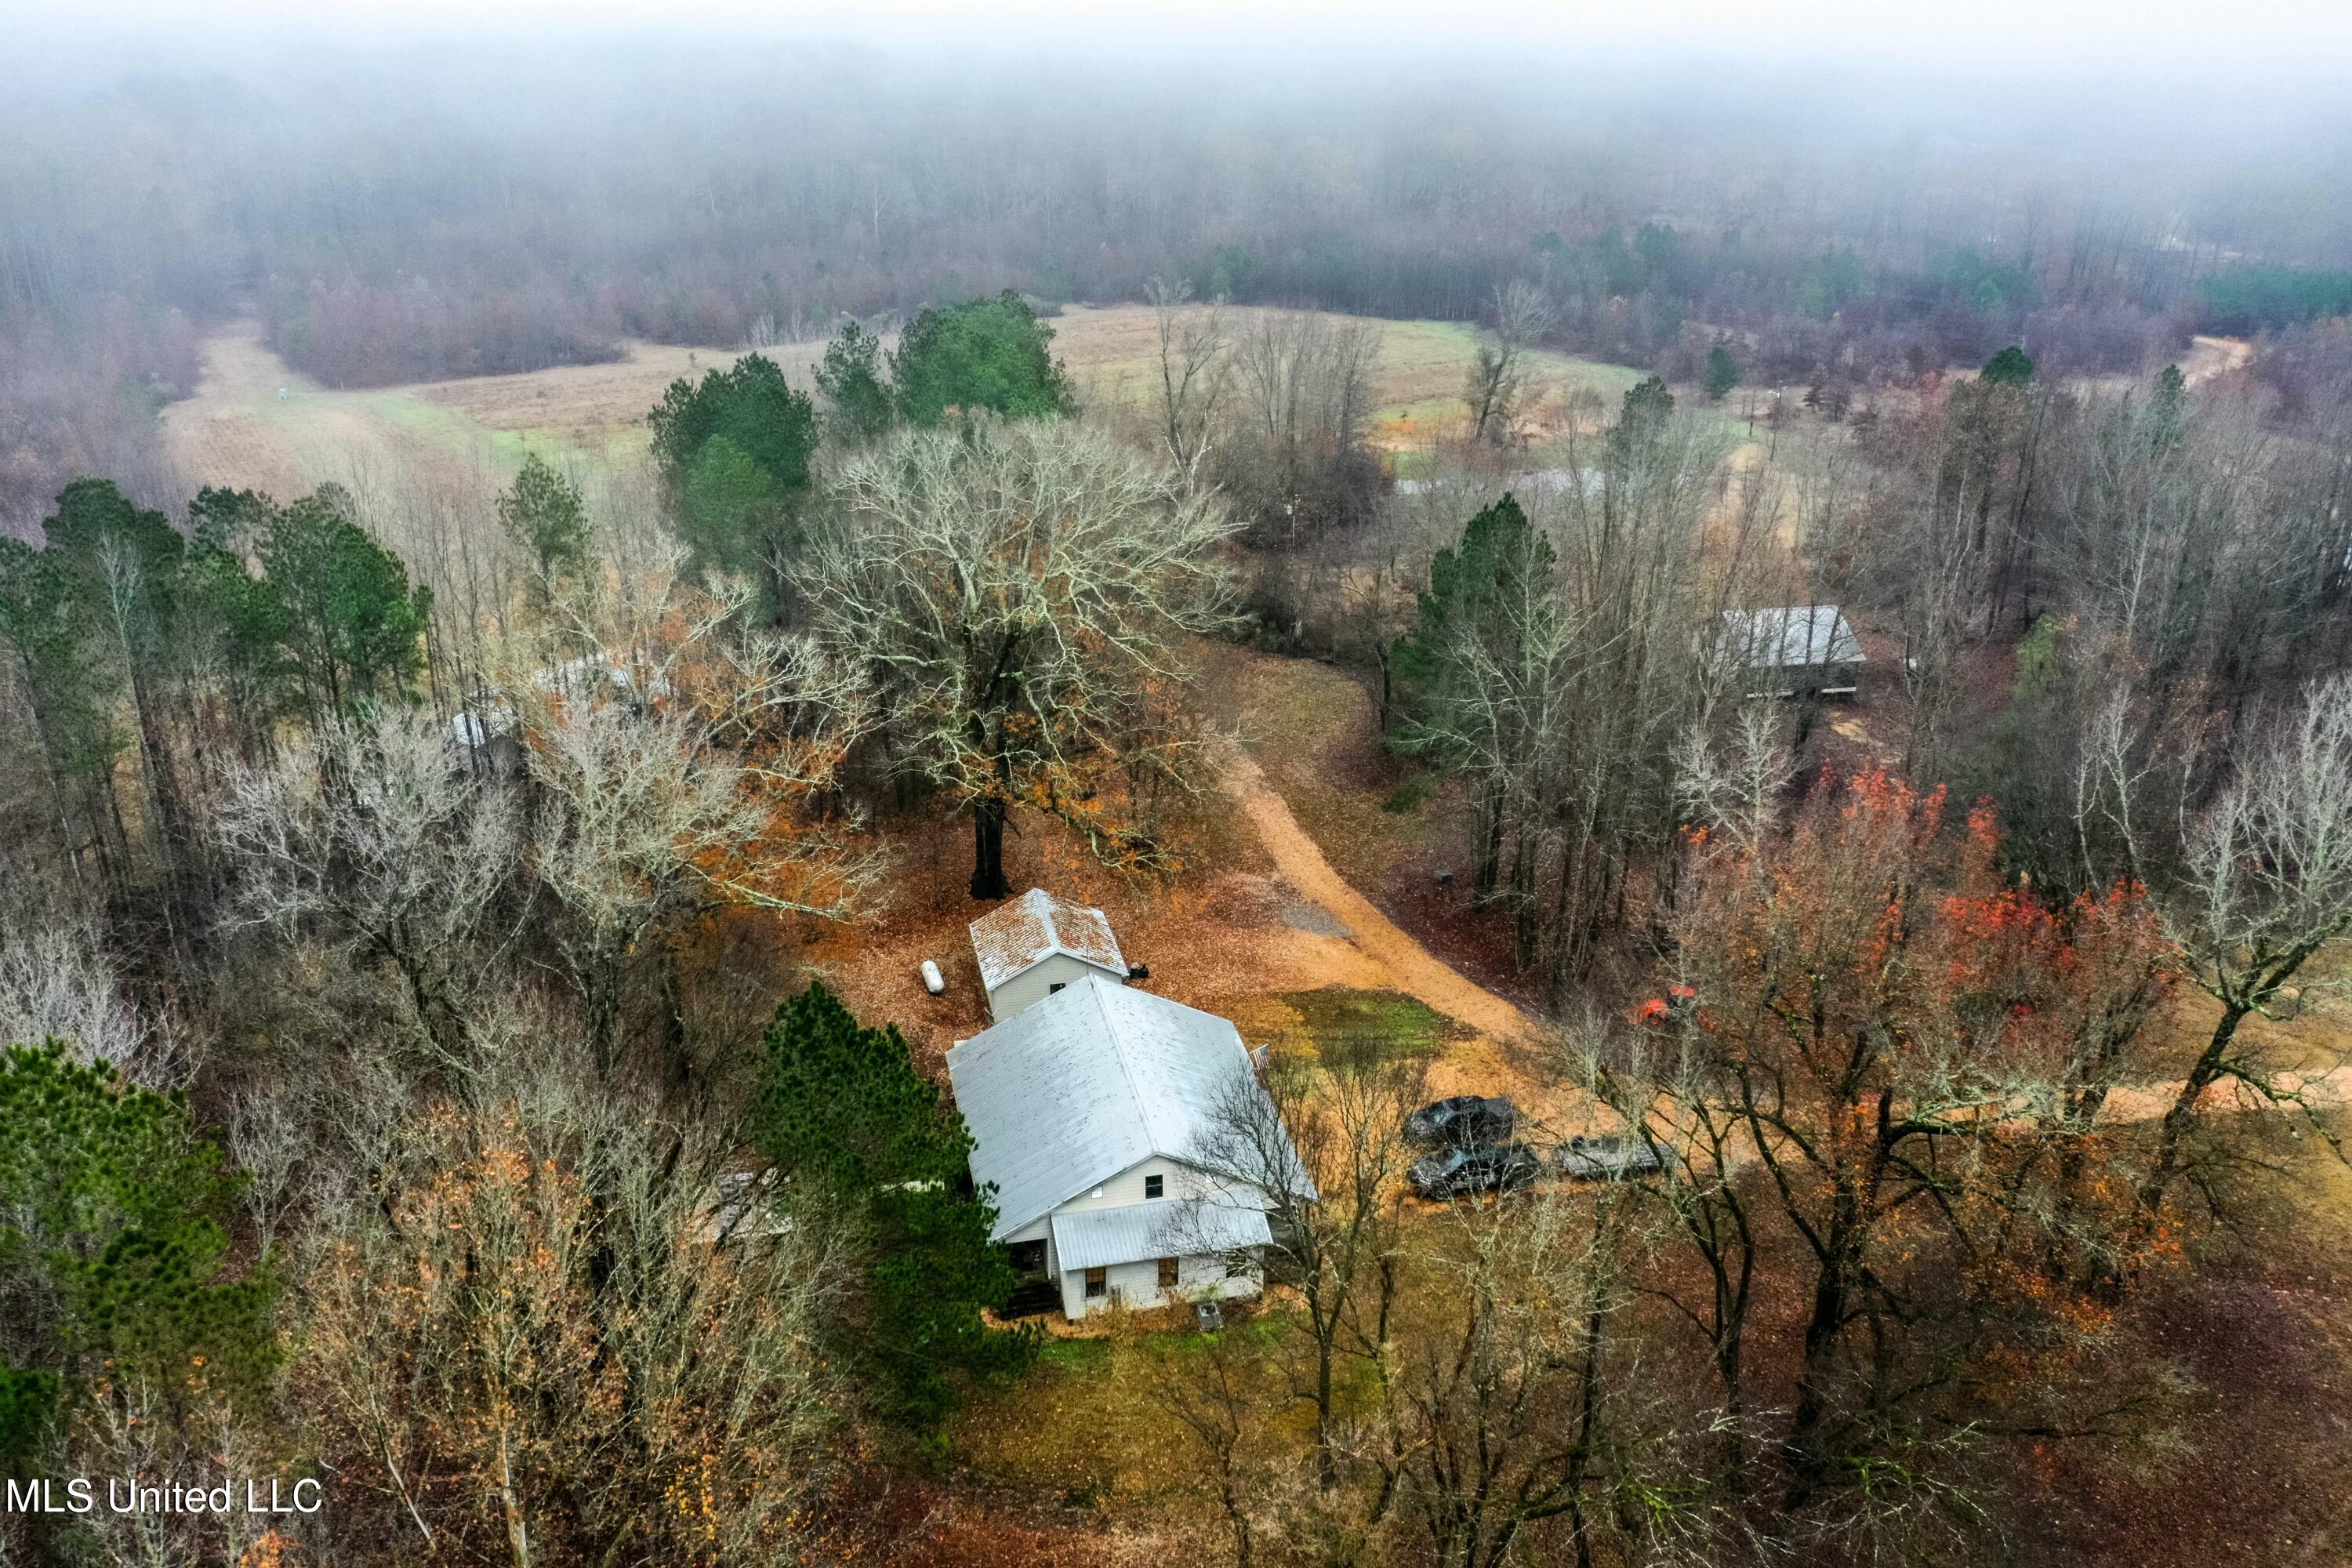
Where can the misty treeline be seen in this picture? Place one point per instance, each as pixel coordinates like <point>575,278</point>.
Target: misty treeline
<point>390,218</point>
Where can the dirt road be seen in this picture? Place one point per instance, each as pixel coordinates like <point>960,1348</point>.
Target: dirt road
<point>2211,357</point>
<point>1487,1063</point>
<point>1409,967</point>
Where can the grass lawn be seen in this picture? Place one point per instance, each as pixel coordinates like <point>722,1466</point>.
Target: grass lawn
<point>1083,1428</point>
<point>1385,1023</point>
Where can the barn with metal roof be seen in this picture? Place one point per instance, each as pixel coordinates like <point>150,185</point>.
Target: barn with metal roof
<point>1087,1113</point>
<point>1793,650</point>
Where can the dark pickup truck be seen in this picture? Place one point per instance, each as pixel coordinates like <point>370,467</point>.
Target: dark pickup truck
<point>1465,1122</point>
<point>1458,1173</point>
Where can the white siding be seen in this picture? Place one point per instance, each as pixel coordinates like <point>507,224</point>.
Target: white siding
<point>1137,1285</point>
<point>1037,983</point>
<point>1179,1180</point>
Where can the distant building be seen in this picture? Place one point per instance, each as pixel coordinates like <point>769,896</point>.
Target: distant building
<point>1588,482</point>
<point>1792,650</point>
<point>1032,947</point>
<point>490,725</point>
<point>1083,1108</point>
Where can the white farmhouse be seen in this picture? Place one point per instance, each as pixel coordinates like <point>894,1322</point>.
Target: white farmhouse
<point>1032,947</point>
<point>1083,1111</point>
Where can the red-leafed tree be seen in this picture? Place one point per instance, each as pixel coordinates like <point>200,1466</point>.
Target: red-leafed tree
<point>1881,1066</point>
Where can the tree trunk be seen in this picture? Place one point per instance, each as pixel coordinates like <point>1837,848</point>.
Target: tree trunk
<point>988,851</point>
<point>1808,1462</point>
<point>2183,1110</point>
<point>1489,870</point>
<point>511,1504</point>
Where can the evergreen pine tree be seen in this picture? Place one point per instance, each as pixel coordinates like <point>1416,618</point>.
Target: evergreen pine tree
<point>856,1134</point>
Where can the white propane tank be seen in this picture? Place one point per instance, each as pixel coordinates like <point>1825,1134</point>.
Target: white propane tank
<point>933,981</point>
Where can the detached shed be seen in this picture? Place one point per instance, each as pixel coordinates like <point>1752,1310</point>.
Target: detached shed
<point>1035,945</point>
<point>1792,650</point>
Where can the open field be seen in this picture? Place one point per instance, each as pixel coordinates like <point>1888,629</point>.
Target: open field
<point>1112,352</point>
<point>237,429</point>
<point>254,422</point>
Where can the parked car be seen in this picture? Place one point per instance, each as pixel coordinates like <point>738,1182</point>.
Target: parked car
<point>1457,1172</point>
<point>1607,1157</point>
<point>1465,1122</point>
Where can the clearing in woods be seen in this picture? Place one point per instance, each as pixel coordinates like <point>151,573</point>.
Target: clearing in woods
<point>255,422</point>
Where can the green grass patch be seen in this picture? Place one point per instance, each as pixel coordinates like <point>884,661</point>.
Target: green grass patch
<point>1406,798</point>
<point>1611,380</point>
<point>445,427</point>
<point>1338,1019</point>
<point>1078,1358</point>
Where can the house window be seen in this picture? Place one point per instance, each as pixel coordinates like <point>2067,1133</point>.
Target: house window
<point>1155,1186</point>
<point>1237,1265</point>
<point>1054,986</point>
<point>1168,1274</point>
<point>1098,1283</point>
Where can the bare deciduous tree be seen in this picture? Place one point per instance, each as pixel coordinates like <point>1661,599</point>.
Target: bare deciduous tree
<point>56,979</point>
<point>1524,1412</point>
<point>370,834</point>
<point>1020,599</point>
<point>1565,692</point>
<point>707,790</point>
<point>1295,461</point>
<point>1195,371</point>
<point>2266,884</point>
<point>521,1345</point>
<point>1323,1142</point>
<point>1498,373</point>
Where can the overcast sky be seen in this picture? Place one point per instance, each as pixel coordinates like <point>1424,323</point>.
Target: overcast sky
<point>2098,36</point>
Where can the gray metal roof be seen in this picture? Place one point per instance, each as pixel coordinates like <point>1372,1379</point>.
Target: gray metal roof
<point>1097,1077</point>
<point>1167,1227</point>
<point>1015,936</point>
<point>1790,635</point>
<point>1542,481</point>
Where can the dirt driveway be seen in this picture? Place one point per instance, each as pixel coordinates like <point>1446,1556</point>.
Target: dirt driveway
<point>1483,1064</point>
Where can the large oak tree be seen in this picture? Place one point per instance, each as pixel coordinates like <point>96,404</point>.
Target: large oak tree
<point>1020,596</point>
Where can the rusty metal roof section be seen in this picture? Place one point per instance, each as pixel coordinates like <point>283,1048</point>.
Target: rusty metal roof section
<point>1035,926</point>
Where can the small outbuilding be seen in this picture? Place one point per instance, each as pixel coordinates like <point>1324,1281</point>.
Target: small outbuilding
<point>1792,650</point>
<point>1032,947</point>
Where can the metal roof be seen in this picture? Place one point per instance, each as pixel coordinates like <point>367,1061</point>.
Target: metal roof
<point>1590,482</point>
<point>1168,1228</point>
<point>1790,635</point>
<point>1095,1079</point>
<point>1035,926</point>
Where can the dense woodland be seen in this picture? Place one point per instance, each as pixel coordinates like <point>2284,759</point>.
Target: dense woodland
<point>417,1083</point>
<point>394,218</point>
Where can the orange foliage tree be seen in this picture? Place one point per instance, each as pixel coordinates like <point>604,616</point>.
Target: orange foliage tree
<point>1879,1067</point>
